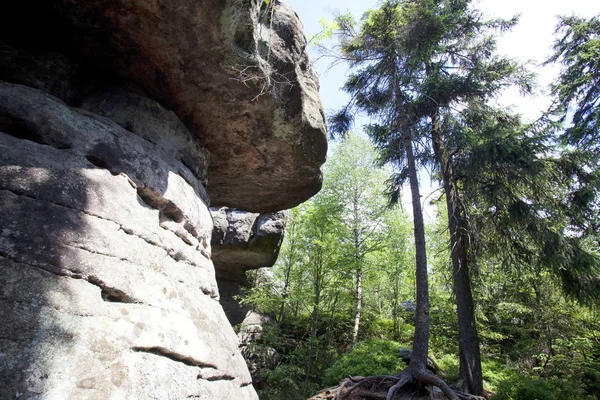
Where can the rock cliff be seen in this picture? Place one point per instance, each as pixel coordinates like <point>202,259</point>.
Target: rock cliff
<point>120,123</point>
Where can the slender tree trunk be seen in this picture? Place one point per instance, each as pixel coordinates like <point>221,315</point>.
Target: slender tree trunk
<point>286,285</point>
<point>359,277</point>
<point>395,315</point>
<point>314,317</point>
<point>468,341</point>
<point>418,360</point>
<point>417,367</point>
<point>288,267</point>
<point>358,265</point>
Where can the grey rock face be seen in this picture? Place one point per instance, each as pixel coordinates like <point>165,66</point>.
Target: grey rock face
<point>242,241</point>
<point>107,284</point>
<point>258,356</point>
<point>107,290</point>
<point>149,120</point>
<point>234,71</point>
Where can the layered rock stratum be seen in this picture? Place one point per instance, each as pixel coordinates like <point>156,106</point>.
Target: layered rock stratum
<point>121,122</point>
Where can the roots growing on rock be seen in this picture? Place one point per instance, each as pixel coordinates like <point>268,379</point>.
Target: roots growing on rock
<point>387,387</point>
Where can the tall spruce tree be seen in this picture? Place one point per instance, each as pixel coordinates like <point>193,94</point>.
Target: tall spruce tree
<point>533,191</point>
<point>577,105</point>
<point>438,56</point>
<point>379,88</point>
<point>528,206</point>
<point>577,49</point>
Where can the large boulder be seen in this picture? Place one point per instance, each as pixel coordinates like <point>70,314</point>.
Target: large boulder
<point>107,289</point>
<point>120,122</point>
<point>235,72</point>
<point>259,355</point>
<point>242,241</point>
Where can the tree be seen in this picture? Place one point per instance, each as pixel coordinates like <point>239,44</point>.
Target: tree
<point>335,240</point>
<point>578,50</point>
<point>395,268</point>
<point>322,228</point>
<point>444,52</point>
<point>460,72</point>
<point>356,182</point>
<point>289,257</point>
<point>529,206</point>
<point>381,86</point>
<point>577,105</point>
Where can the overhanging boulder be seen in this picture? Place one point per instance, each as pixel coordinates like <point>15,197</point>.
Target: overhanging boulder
<point>235,72</point>
<point>120,120</point>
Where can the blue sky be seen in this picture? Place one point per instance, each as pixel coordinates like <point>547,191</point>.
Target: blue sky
<point>530,41</point>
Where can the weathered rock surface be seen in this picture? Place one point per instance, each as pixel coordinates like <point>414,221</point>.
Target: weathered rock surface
<point>107,289</point>
<point>149,120</point>
<point>235,72</point>
<point>242,241</point>
<point>259,356</point>
<point>120,120</point>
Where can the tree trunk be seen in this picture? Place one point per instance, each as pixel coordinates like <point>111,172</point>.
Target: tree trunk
<point>395,316</point>
<point>417,367</point>
<point>286,285</point>
<point>418,359</point>
<point>359,276</point>
<point>468,341</point>
<point>291,234</point>
<point>315,315</point>
<point>358,264</point>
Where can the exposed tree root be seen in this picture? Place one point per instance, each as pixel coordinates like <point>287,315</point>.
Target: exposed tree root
<point>386,387</point>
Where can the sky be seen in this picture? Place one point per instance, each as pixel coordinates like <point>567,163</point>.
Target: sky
<point>530,41</point>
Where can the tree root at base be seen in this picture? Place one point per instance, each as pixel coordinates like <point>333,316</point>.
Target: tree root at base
<point>386,387</point>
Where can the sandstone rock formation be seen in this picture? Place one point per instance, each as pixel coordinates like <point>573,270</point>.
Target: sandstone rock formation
<point>107,286</point>
<point>234,71</point>
<point>119,124</point>
<point>259,356</point>
<point>242,241</point>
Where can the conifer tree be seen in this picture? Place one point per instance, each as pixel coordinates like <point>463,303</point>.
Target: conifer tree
<point>438,57</point>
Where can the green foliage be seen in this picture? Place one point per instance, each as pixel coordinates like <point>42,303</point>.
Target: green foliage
<point>448,366</point>
<point>578,50</point>
<point>526,388</point>
<point>531,211</point>
<point>522,388</point>
<point>370,357</point>
<point>495,373</point>
<point>328,30</point>
<point>284,382</point>
<point>345,229</point>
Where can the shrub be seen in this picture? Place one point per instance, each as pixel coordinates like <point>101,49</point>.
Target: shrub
<point>494,373</point>
<point>523,388</point>
<point>370,357</point>
<point>448,365</point>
